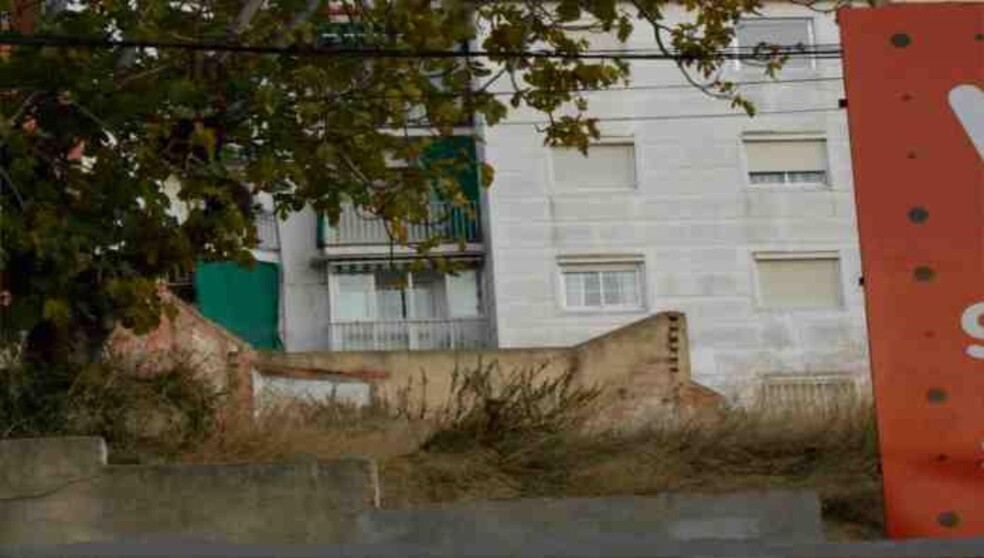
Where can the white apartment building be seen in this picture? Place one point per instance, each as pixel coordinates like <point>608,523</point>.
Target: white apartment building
<point>746,224</point>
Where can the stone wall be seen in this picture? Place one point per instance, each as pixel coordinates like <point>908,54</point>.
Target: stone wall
<point>187,337</point>
<point>643,369</point>
<point>60,490</point>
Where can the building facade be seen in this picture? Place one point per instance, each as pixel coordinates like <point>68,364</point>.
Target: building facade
<point>347,287</point>
<point>745,224</point>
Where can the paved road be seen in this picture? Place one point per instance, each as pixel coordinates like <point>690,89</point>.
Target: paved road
<point>607,546</point>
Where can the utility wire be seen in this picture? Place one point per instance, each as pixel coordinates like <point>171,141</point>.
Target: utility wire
<point>648,118</point>
<point>794,81</point>
<point>63,41</point>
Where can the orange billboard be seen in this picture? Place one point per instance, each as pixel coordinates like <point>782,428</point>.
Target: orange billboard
<point>914,77</point>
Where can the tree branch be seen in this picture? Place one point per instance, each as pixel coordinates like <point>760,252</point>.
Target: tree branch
<point>241,23</point>
<point>13,187</point>
<point>657,32</point>
<point>297,20</point>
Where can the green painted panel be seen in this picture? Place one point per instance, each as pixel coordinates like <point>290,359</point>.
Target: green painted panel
<point>244,301</point>
<point>460,223</point>
<point>458,147</point>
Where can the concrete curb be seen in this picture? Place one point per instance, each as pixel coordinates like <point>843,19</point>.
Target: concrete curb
<point>607,546</point>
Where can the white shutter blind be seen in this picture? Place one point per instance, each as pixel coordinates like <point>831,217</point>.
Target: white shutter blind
<point>799,283</point>
<point>607,166</point>
<point>463,298</point>
<point>354,301</point>
<point>786,155</point>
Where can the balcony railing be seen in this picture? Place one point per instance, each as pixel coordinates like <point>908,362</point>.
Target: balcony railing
<point>357,227</point>
<point>410,335</point>
<point>266,230</point>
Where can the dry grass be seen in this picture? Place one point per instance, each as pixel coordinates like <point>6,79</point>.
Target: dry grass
<point>505,442</point>
<point>325,430</point>
<point>499,437</point>
<point>832,453</point>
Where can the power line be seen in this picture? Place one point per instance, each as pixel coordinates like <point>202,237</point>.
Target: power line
<point>372,52</point>
<point>681,86</point>
<point>655,117</point>
<point>627,88</point>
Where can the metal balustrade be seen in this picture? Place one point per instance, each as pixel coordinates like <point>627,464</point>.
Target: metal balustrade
<point>358,227</point>
<point>469,333</point>
<point>266,230</point>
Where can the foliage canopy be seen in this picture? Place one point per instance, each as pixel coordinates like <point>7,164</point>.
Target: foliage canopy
<point>91,138</point>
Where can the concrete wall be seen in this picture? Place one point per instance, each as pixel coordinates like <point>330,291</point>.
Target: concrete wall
<point>775,516</point>
<point>694,219</point>
<point>643,368</point>
<point>60,491</point>
<point>305,310</point>
<point>57,490</point>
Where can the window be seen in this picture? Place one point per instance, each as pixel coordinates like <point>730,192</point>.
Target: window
<point>392,295</point>
<point>799,281</point>
<point>266,230</point>
<point>813,392</point>
<point>602,286</point>
<point>786,32</point>
<point>608,166</point>
<point>464,294</point>
<point>387,309</point>
<point>786,161</point>
<point>354,300</point>
<point>265,220</point>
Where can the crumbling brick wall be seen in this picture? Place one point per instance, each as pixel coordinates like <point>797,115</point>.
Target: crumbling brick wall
<point>186,337</point>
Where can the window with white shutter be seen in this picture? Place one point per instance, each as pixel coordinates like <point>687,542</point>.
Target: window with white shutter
<point>799,281</point>
<point>786,161</point>
<point>608,166</point>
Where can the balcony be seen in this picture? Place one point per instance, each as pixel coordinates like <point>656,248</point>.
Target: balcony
<point>266,230</point>
<point>356,227</point>
<point>472,333</point>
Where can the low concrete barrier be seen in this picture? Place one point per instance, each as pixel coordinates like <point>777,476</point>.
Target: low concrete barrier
<point>775,516</point>
<point>35,466</point>
<point>610,546</point>
<point>85,500</point>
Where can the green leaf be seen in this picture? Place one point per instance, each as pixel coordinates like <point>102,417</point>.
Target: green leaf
<point>57,311</point>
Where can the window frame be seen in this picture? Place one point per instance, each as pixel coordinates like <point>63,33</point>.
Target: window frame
<point>771,256</point>
<point>811,66</point>
<point>777,137</point>
<point>566,266</point>
<point>625,141</point>
<point>334,292</point>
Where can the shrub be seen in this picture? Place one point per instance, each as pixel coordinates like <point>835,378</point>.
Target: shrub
<point>140,417</point>
<point>487,408</point>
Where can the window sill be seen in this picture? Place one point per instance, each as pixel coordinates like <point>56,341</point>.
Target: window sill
<point>812,186</point>
<point>799,311</point>
<point>596,191</point>
<point>603,311</point>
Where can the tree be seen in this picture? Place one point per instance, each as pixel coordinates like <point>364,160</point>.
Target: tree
<point>92,129</point>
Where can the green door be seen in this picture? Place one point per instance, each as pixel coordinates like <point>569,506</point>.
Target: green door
<point>244,301</point>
